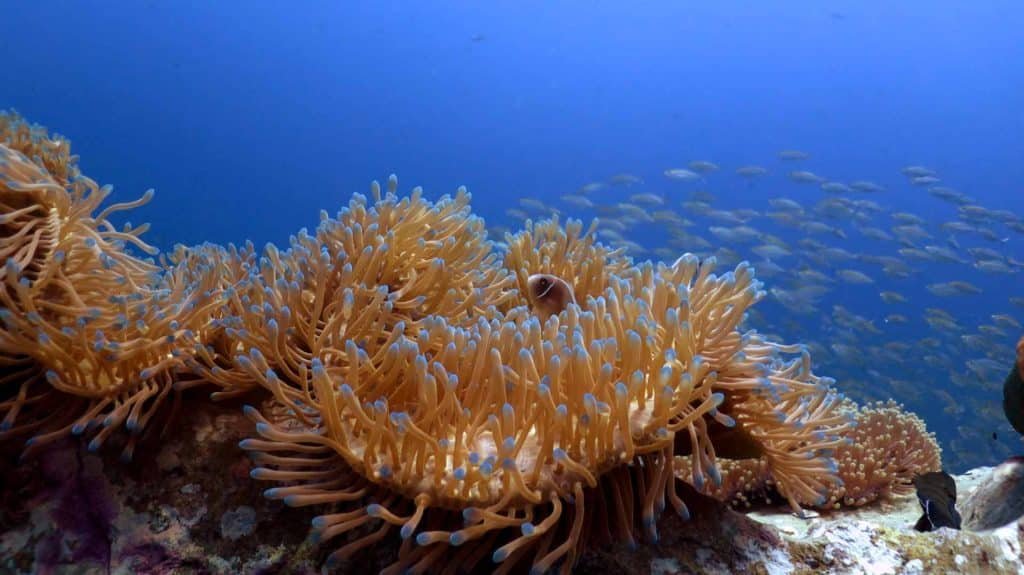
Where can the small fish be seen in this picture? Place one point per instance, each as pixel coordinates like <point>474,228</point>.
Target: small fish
<point>854,277</point>
<point>516,214</point>
<point>944,254</point>
<point>813,227</point>
<point>992,331</point>
<point>702,196</point>
<point>993,267</point>
<point>682,175</point>
<point>866,186</point>
<point>942,324</point>
<point>917,171</point>
<point>835,188</point>
<point>647,198</point>
<point>793,155</point>
<point>549,295</point>
<point>911,231</point>
<point>727,216</point>
<point>953,288</point>
<point>771,251</point>
<point>936,492</point>
<point>785,204</point>
<point>908,218</point>
<point>811,275</point>
<point>669,216</point>
<point>703,166</point>
<point>633,211</point>
<point>963,227</point>
<point>768,268</point>
<point>738,234</point>
<point>751,171</point>
<point>578,201</point>
<point>976,342</point>
<point>875,234</point>
<point>936,312</point>
<point>1006,321</point>
<point>532,204</point>
<point>985,253</point>
<point>924,180</point>
<point>697,207</point>
<point>592,187</point>
<point>625,180</point>
<point>915,254</point>
<point>950,195</point>
<point>805,177</point>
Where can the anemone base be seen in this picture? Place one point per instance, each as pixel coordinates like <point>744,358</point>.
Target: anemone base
<point>186,504</point>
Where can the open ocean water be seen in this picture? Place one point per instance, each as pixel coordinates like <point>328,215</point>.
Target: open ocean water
<point>866,157</point>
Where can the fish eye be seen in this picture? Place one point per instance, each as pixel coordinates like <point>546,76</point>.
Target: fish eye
<point>543,283</point>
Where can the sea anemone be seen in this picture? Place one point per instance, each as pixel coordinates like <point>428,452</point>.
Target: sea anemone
<point>473,428</point>
<point>885,450</point>
<point>881,455</point>
<point>50,152</point>
<point>374,273</point>
<point>745,482</point>
<point>91,333</point>
<point>512,404</point>
<point>566,253</point>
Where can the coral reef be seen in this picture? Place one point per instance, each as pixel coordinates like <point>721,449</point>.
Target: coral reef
<point>407,382</point>
<point>484,432</point>
<point>177,508</point>
<point>999,500</point>
<point>887,448</point>
<point>883,452</point>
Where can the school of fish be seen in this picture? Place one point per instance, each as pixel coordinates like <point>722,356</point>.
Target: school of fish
<point>918,307</point>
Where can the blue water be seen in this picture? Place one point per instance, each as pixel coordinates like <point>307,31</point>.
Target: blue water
<point>248,118</point>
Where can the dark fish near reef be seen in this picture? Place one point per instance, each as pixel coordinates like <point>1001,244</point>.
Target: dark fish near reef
<point>1013,392</point>
<point>549,294</point>
<point>936,492</point>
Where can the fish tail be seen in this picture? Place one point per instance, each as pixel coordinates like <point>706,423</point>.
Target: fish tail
<point>1013,392</point>
<point>1020,358</point>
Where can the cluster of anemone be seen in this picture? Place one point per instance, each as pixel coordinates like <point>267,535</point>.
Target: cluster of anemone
<point>92,333</point>
<point>883,452</point>
<point>473,429</point>
<point>413,381</point>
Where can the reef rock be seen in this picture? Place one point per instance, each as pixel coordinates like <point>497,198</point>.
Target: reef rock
<point>881,538</point>
<point>998,500</point>
<point>187,505</point>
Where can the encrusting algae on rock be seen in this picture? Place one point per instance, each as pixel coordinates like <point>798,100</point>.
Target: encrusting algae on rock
<point>414,381</point>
